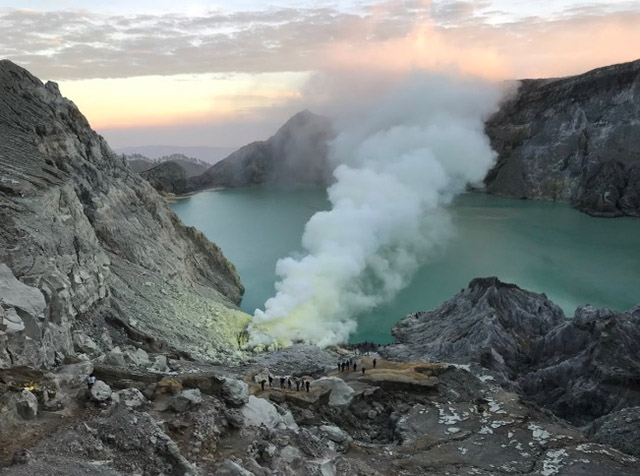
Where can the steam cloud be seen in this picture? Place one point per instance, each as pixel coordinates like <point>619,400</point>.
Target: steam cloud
<point>396,167</point>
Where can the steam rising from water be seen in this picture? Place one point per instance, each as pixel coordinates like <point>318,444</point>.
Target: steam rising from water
<point>396,166</point>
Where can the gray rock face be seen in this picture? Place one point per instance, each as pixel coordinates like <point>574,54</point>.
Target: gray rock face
<point>22,314</point>
<point>295,156</point>
<point>235,392</point>
<point>100,391</point>
<point>619,429</point>
<point>90,238</point>
<point>168,177</point>
<point>131,398</point>
<point>27,405</point>
<point>190,165</point>
<point>586,367</point>
<point>299,359</point>
<point>573,140</point>
<point>580,368</point>
<point>490,322</point>
<point>229,468</point>
<point>186,400</point>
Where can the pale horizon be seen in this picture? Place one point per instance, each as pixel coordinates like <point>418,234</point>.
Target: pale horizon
<point>224,74</point>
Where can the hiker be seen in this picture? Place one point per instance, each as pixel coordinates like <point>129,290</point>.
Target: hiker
<point>289,382</point>
<point>374,363</point>
<point>282,380</point>
<point>363,369</point>
<point>297,385</point>
<point>91,379</point>
<point>270,381</point>
<point>339,366</point>
<point>262,382</point>
<point>355,367</point>
<point>306,384</point>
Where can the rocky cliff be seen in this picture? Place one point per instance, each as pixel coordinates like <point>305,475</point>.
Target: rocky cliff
<point>191,166</point>
<point>87,243</point>
<point>580,368</point>
<point>295,156</point>
<point>167,177</point>
<point>572,139</point>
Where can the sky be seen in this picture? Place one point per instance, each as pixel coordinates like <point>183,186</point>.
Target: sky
<point>226,73</point>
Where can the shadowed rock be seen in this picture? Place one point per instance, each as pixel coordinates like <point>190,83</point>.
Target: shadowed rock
<point>94,240</point>
<point>573,140</point>
<point>295,156</point>
<point>580,368</point>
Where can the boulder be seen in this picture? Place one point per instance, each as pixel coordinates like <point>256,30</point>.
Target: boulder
<point>27,405</point>
<point>136,357</point>
<point>335,434</point>
<point>186,400</point>
<point>229,468</point>
<point>290,454</point>
<point>115,357</point>
<point>84,344</point>
<point>258,412</point>
<point>100,391</point>
<point>131,397</point>
<point>160,364</point>
<point>341,392</point>
<point>235,392</point>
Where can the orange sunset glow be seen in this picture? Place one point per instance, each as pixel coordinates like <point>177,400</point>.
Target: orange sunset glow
<point>252,66</point>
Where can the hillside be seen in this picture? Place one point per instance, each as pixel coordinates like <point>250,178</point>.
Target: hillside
<point>87,245</point>
<point>573,140</point>
<point>295,156</point>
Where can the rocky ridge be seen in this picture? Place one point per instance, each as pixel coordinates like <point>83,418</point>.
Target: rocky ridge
<point>191,166</point>
<point>397,418</point>
<point>296,155</point>
<point>572,140</point>
<point>87,245</point>
<point>580,368</point>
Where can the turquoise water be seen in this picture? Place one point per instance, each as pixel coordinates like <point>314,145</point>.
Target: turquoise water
<point>541,246</point>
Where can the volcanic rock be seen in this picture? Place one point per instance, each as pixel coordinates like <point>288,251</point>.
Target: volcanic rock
<point>295,156</point>
<point>87,239</point>
<point>573,140</point>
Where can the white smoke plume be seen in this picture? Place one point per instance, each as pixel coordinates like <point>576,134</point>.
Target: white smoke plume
<point>399,162</point>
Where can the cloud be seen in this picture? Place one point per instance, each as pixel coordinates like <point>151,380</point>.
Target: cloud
<point>70,44</point>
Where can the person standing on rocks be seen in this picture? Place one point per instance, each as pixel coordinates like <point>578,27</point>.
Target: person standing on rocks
<point>282,380</point>
<point>355,367</point>
<point>270,381</point>
<point>374,363</point>
<point>262,382</point>
<point>306,384</point>
<point>289,383</point>
<point>91,380</point>
<point>297,385</point>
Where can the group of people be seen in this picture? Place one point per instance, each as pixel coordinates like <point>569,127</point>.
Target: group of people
<point>351,362</point>
<point>288,382</point>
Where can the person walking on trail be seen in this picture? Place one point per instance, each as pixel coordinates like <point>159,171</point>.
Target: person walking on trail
<point>297,385</point>
<point>289,383</point>
<point>374,363</point>
<point>306,384</point>
<point>262,382</point>
<point>363,369</point>
<point>355,367</point>
<point>282,380</point>
<point>270,381</point>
